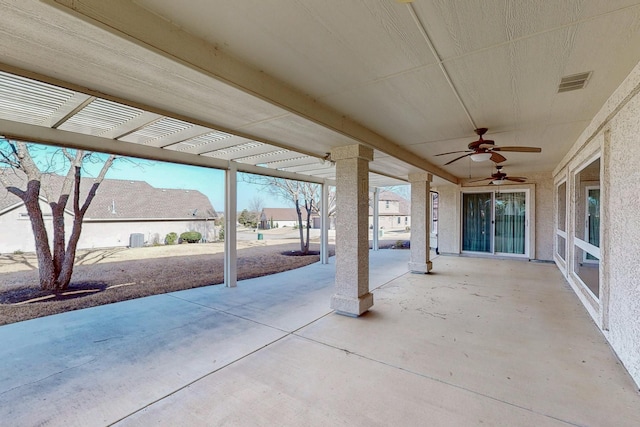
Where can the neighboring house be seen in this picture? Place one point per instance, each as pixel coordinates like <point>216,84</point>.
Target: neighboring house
<point>284,217</point>
<point>394,211</point>
<point>120,208</point>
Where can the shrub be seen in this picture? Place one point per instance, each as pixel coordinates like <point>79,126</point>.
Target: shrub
<point>171,238</point>
<point>191,237</point>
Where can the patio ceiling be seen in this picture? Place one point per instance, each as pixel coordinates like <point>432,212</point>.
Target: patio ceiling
<point>274,84</point>
<point>114,127</point>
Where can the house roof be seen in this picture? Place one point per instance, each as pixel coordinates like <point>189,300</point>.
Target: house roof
<point>282,214</point>
<point>126,199</point>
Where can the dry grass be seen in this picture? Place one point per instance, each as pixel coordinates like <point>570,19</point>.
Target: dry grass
<point>119,281</point>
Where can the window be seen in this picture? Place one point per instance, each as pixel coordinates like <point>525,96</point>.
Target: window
<point>586,251</point>
<point>561,218</point>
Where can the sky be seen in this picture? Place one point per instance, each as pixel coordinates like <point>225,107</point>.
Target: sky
<point>208,181</point>
<point>162,175</point>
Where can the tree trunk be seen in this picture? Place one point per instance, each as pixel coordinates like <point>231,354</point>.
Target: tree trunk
<point>43,250</point>
<point>308,207</point>
<point>57,212</point>
<point>64,277</point>
<point>299,212</point>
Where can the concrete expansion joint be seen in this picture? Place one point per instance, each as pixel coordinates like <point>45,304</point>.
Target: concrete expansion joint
<point>428,377</point>
<point>48,376</point>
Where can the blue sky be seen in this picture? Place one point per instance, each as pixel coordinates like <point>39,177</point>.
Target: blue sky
<point>208,181</point>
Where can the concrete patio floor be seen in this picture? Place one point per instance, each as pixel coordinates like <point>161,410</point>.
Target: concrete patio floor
<point>477,342</point>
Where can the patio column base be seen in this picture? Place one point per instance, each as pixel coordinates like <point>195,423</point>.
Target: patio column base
<point>420,267</point>
<point>353,307</point>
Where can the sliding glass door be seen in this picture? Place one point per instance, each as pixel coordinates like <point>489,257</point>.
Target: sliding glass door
<point>510,223</point>
<point>476,222</point>
<point>495,222</point>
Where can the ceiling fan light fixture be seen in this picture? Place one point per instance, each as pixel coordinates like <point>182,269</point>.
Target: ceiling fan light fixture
<point>497,182</point>
<point>480,157</point>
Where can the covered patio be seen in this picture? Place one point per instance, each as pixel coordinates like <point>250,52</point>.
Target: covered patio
<point>479,341</point>
<point>356,96</point>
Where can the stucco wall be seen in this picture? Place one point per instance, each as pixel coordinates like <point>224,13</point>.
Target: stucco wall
<point>109,234</point>
<point>623,223</point>
<point>17,235</point>
<point>15,229</point>
<point>448,218</point>
<point>544,214</point>
<point>614,132</point>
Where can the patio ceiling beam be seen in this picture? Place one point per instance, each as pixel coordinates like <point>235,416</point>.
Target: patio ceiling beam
<point>128,20</point>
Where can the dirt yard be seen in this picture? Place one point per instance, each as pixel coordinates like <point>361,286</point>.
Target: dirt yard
<point>119,274</point>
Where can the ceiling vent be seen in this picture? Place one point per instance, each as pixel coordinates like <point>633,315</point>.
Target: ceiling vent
<point>574,82</point>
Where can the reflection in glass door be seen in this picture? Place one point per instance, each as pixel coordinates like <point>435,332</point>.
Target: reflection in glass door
<point>510,223</point>
<point>592,224</point>
<point>476,222</point>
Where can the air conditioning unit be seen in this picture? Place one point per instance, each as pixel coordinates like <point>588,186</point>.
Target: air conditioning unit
<point>136,240</point>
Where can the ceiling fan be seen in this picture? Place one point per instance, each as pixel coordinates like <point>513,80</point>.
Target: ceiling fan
<point>485,149</point>
<point>499,177</point>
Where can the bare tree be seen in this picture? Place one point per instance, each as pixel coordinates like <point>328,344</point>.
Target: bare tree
<point>55,263</point>
<point>303,195</point>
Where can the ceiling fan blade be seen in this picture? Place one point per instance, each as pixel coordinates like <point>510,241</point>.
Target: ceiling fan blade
<point>497,158</point>
<point>519,177</point>
<point>518,149</point>
<point>461,157</point>
<point>483,179</point>
<point>514,179</point>
<point>452,152</point>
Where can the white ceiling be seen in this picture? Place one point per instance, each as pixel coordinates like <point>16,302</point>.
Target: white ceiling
<point>311,75</point>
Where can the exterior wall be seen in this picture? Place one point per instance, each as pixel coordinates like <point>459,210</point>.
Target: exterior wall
<point>281,223</point>
<point>15,229</point>
<point>614,134</point>
<point>448,218</point>
<point>544,232</point>
<point>17,235</point>
<point>109,234</point>
<point>391,221</point>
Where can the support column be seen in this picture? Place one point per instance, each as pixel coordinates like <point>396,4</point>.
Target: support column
<point>230,221</point>
<point>376,219</point>
<point>420,221</point>
<point>324,225</point>
<point>352,296</point>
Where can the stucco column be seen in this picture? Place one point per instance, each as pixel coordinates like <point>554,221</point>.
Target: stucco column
<point>352,296</point>
<point>420,220</point>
